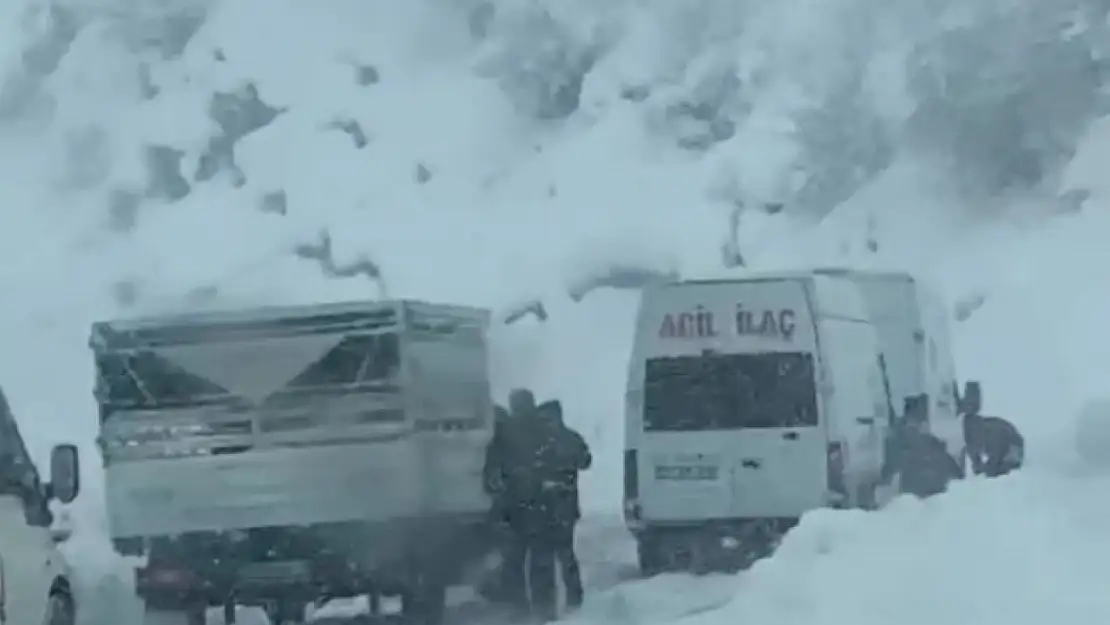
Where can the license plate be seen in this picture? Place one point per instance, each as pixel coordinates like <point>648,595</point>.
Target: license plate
<point>686,472</point>
<point>279,571</point>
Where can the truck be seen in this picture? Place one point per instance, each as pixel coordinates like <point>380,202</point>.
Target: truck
<point>753,401</point>
<point>289,455</point>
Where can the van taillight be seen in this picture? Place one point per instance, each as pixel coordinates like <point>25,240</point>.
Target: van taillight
<point>631,475</point>
<point>632,512</point>
<point>836,464</point>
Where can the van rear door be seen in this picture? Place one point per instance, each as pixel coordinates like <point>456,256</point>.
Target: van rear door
<point>780,459</point>
<point>685,465</point>
<point>734,435</point>
<point>731,424</point>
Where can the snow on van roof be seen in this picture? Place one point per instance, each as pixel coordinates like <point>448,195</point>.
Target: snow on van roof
<point>795,274</point>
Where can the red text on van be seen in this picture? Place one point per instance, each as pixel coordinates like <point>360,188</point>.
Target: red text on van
<point>697,324</point>
<point>768,323</point>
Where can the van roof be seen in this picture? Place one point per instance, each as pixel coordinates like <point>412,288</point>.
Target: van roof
<point>801,274</point>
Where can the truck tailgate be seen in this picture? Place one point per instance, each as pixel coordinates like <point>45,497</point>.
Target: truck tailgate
<point>291,486</point>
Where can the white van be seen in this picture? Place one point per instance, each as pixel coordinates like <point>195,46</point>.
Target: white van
<point>35,579</point>
<point>752,401</point>
<point>749,403</point>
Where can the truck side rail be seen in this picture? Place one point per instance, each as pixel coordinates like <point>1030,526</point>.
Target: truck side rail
<point>258,323</point>
<point>359,417</point>
<point>276,322</point>
<point>215,445</point>
<point>147,435</point>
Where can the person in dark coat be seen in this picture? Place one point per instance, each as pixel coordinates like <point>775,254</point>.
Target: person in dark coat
<point>532,467</point>
<point>920,459</point>
<point>564,456</point>
<point>535,499</point>
<point>507,456</point>
<point>995,445</point>
<point>500,587</point>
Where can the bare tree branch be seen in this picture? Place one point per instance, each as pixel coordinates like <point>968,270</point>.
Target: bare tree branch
<point>321,253</point>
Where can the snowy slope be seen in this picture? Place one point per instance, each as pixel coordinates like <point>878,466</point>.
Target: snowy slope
<point>440,143</point>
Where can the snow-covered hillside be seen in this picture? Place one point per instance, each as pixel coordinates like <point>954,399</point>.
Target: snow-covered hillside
<point>163,155</point>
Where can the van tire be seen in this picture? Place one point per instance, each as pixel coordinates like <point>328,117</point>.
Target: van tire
<point>60,609</point>
<point>651,558</point>
<point>424,602</point>
<point>867,496</point>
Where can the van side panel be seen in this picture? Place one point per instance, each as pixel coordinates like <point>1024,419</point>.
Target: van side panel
<point>912,321</point>
<point>940,371</point>
<point>892,300</point>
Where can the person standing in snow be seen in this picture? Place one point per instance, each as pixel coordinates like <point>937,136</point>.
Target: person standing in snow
<point>564,454</point>
<point>532,465</point>
<point>504,475</point>
<point>497,588</point>
<point>516,470</point>
<point>532,474</point>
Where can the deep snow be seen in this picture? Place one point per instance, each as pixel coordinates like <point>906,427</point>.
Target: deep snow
<point>462,193</point>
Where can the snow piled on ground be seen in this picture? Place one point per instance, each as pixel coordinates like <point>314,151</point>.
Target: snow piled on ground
<point>458,196</point>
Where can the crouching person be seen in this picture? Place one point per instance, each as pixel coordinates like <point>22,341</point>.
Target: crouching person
<point>919,459</point>
<point>994,445</point>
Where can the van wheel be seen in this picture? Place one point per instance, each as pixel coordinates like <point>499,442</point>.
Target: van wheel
<point>867,496</point>
<point>60,610</point>
<point>652,559</point>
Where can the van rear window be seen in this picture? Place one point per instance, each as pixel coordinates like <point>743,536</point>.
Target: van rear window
<point>729,392</point>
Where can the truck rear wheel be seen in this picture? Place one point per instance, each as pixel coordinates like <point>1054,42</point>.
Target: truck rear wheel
<point>424,603</point>
<point>652,559</point>
<point>189,616</point>
<point>285,613</point>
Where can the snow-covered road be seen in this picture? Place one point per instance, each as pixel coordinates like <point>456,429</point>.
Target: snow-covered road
<point>607,555</point>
